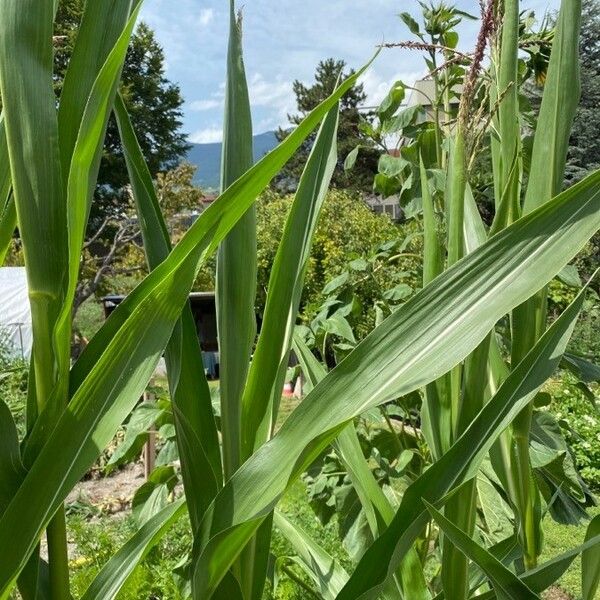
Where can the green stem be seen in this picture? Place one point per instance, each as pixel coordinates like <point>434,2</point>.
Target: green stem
<point>58,562</point>
<point>397,440</point>
<point>298,580</point>
<point>527,495</point>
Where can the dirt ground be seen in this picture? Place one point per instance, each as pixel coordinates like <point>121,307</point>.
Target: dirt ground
<point>555,593</point>
<point>110,494</point>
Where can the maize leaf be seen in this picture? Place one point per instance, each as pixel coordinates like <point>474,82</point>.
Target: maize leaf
<point>197,438</point>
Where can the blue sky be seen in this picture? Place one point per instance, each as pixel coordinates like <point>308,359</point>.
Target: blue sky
<point>283,41</point>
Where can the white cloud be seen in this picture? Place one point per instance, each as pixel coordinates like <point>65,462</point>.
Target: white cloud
<point>206,16</point>
<point>209,135</point>
<point>377,87</point>
<point>277,96</point>
<point>267,93</point>
<point>201,105</point>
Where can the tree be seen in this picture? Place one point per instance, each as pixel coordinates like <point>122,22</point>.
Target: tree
<point>154,104</point>
<point>327,74</point>
<point>112,259</point>
<point>348,230</point>
<point>584,150</point>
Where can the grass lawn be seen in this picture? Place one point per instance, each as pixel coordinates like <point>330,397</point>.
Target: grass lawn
<point>559,539</point>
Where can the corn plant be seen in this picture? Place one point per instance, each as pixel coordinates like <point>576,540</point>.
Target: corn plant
<point>441,339</point>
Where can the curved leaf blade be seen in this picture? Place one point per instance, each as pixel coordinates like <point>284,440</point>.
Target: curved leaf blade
<point>324,570</point>
<point>505,582</point>
<point>265,379</point>
<point>197,437</point>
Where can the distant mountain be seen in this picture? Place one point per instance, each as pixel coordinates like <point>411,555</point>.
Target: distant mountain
<point>207,157</point>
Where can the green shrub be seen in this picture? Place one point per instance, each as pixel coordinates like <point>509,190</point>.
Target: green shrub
<point>13,385</point>
<point>580,421</point>
<point>96,541</point>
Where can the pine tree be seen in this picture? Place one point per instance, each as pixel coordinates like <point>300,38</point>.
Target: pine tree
<point>327,74</point>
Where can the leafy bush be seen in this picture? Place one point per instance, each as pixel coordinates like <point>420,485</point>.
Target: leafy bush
<point>348,230</point>
<point>89,318</point>
<point>586,337</point>
<point>96,541</point>
<point>13,384</point>
<point>580,421</point>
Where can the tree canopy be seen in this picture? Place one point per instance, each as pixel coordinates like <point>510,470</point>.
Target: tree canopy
<point>327,75</point>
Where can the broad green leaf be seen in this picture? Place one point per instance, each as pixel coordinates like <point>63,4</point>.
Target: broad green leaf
<point>497,513</point>
<point>463,459</point>
<point>546,440</point>
<point>336,283</point>
<point>236,261</point>
<point>386,186</point>
<point>391,103</point>
<point>403,119</point>
<point>136,434</point>
<point>271,356</point>
<point>559,103</point>
<point>586,371</point>
<point>398,292</point>
<point>113,575</point>
<point>590,561</point>
<point>115,367</point>
<point>505,582</point>
<point>29,109</point>
<point>425,338</point>
<point>197,438</point>
<point>410,22</point>
<point>152,496</point>
<point>339,325</point>
<point>569,275</point>
<point>392,166</point>
<point>324,570</point>
<point>350,160</point>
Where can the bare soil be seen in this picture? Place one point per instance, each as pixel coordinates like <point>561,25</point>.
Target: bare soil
<point>555,593</point>
<point>111,494</point>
